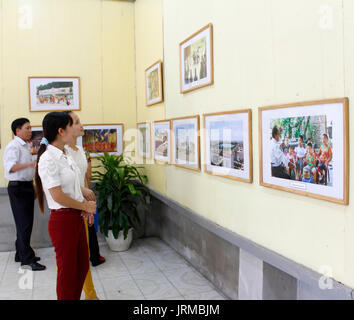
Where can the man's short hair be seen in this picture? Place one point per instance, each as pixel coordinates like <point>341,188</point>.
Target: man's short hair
<point>325,135</point>
<point>18,123</point>
<point>275,131</point>
<point>310,144</point>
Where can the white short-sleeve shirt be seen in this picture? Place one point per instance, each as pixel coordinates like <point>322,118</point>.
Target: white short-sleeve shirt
<point>18,152</point>
<point>56,168</point>
<point>80,159</point>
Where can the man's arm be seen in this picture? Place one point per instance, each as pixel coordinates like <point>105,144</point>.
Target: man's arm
<point>22,166</point>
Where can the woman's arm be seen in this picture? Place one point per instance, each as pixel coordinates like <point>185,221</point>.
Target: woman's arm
<point>59,196</point>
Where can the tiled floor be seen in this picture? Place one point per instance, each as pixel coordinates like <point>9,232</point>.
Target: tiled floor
<point>148,270</point>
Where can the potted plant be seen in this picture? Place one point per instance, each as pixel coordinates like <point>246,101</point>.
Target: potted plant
<point>120,188</point>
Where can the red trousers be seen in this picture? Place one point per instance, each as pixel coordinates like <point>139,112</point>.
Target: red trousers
<point>67,232</point>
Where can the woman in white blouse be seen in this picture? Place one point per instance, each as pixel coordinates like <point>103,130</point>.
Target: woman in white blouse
<point>58,177</point>
<point>78,154</point>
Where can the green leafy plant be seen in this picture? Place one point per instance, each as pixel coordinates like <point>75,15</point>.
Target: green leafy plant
<point>121,188</point>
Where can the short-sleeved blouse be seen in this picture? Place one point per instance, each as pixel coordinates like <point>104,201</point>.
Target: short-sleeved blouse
<point>58,169</point>
<point>79,157</point>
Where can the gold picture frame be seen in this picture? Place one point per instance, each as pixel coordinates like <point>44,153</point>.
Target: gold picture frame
<point>154,84</point>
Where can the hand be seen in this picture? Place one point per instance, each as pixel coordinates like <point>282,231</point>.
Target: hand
<point>88,194</point>
<point>33,164</point>
<point>89,218</point>
<point>90,207</point>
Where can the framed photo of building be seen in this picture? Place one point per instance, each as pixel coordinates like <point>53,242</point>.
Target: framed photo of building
<point>196,60</point>
<point>228,144</point>
<point>161,140</point>
<point>54,93</point>
<point>186,142</point>
<point>144,139</point>
<point>304,148</point>
<point>37,135</point>
<point>153,84</point>
<point>100,138</point>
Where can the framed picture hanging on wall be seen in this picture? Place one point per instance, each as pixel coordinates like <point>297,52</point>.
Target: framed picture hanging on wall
<point>100,138</point>
<point>144,139</point>
<point>304,148</point>
<point>37,135</point>
<point>161,140</point>
<point>153,84</point>
<point>54,93</point>
<point>228,144</point>
<point>186,142</point>
<point>196,60</point>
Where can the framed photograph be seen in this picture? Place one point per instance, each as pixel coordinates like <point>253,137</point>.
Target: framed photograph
<point>186,142</point>
<point>153,84</point>
<point>304,148</point>
<point>196,60</point>
<point>37,135</point>
<point>228,144</point>
<point>54,93</point>
<point>161,140</point>
<point>100,138</point>
<point>144,139</point>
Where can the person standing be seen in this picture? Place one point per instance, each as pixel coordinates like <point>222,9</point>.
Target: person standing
<point>58,177</point>
<point>19,170</point>
<point>78,154</point>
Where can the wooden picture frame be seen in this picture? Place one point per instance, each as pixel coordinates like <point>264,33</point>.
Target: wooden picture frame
<point>37,135</point>
<point>161,141</point>
<point>54,94</point>
<point>228,144</point>
<point>196,60</point>
<point>329,169</point>
<point>100,138</point>
<point>181,156</point>
<point>154,84</point>
<point>144,139</point>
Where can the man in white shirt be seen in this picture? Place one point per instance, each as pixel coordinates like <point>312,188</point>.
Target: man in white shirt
<point>19,170</point>
<point>278,159</point>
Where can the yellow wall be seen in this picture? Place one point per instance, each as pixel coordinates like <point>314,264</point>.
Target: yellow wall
<point>92,39</point>
<point>266,52</point>
<point>149,49</point>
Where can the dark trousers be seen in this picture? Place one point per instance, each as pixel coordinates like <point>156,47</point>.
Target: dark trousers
<point>21,196</point>
<point>93,244</point>
<point>279,172</point>
<point>67,232</point>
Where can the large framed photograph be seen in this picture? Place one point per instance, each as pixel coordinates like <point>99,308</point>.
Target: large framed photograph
<point>186,142</point>
<point>37,135</point>
<point>228,144</point>
<point>144,139</point>
<point>304,148</point>
<point>161,140</point>
<point>196,60</point>
<point>54,93</point>
<point>153,84</point>
<point>101,138</point>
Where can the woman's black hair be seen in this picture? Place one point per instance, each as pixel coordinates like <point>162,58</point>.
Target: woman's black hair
<point>51,124</point>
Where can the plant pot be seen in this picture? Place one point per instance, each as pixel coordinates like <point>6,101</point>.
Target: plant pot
<point>119,244</point>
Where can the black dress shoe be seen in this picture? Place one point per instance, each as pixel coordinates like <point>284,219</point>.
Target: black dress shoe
<point>34,266</point>
<point>36,259</point>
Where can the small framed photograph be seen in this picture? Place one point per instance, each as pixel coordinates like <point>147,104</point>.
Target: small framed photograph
<point>153,84</point>
<point>101,138</point>
<point>54,93</point>
<point>196,60</point>
<point>161,140</point>
<point>228,144</point>
<point>304,148</point>
<point>37,135</point>
<point>144,139</point>
<point>186,142</point>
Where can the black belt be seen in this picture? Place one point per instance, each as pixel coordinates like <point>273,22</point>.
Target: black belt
<point>20,183</point>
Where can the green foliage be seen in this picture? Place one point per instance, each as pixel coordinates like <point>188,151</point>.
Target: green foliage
<point>119,194</point>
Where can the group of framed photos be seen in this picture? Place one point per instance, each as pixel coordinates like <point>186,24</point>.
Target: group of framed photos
<point>97,139</point>
<point>303,147</point>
